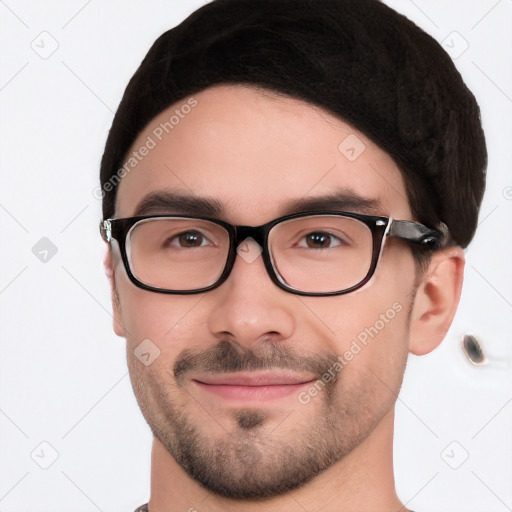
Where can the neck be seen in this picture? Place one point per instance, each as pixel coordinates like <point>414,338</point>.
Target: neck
<point>363,480</point>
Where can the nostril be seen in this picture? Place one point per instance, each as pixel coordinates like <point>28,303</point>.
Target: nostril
<point>271,337</point>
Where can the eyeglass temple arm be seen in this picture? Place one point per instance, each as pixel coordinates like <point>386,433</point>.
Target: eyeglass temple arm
<point>417,233</point>
<point>404,229</point>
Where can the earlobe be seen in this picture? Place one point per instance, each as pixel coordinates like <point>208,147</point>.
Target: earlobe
<point>436,300</point>
<point>108,264</point>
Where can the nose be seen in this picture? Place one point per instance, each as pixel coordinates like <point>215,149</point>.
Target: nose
<point>248,307</point>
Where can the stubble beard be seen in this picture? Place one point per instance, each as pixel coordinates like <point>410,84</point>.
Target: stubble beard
<point>258,459</point>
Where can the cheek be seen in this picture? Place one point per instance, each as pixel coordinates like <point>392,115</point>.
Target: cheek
<point>370,327</point>
<point>154,388</point>
<point>373,351</point>
<point>164,319</point>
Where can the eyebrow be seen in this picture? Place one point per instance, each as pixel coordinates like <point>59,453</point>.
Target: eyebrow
<point>339,200</point>
<point>167,202</point>
<point>172,202</point>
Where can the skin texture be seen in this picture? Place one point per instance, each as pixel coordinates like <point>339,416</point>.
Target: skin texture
<point>253,150</point>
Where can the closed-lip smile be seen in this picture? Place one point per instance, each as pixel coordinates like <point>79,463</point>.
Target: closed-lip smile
<point>254,385</point>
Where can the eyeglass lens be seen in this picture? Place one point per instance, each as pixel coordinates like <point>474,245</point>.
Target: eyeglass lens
<point>318,253</point>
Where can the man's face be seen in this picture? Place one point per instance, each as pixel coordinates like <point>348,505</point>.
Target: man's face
<point>254,153</point>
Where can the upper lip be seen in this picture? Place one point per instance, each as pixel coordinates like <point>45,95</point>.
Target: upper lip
<point>254,378</point>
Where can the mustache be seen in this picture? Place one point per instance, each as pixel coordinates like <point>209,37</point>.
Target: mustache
<point>226,357</point>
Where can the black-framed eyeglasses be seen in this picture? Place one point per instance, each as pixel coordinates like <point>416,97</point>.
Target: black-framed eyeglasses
<point>308,253</point>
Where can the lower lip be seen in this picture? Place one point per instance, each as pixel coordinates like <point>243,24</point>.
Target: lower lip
<point>252,393</point>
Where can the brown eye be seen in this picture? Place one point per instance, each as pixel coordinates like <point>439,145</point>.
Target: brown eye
<point>318,240</point>
<point>187,239</point>
<point>321,240</point>
<point>191,239</point>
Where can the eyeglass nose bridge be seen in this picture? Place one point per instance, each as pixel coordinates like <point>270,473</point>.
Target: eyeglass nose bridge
<point>257,233</point>
<point>260,235</point>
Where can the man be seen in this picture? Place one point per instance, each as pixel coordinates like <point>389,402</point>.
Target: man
<point>289,186</point>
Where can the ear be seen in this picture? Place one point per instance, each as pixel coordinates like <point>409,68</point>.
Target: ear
<point>109,263</point>
<point>436,300</point>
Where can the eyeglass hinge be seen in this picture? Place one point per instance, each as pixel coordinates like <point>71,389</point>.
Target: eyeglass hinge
<point>107,228</point>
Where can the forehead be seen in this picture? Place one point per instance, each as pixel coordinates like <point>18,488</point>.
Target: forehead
<point>255,154</point>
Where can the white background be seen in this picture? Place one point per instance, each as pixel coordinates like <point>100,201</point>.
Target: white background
<point>63,371</point>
